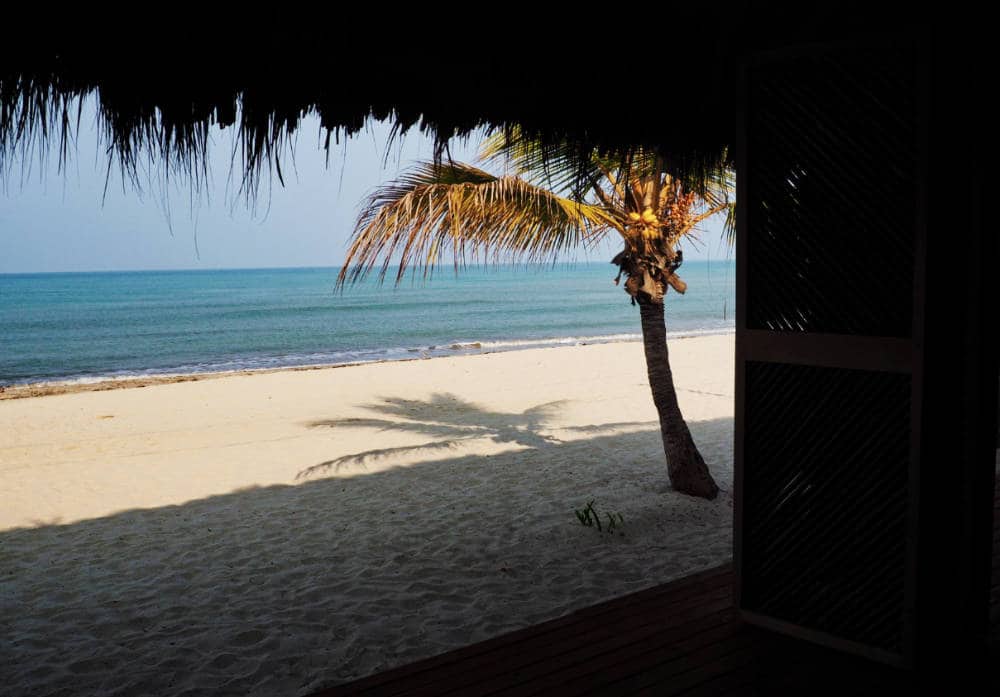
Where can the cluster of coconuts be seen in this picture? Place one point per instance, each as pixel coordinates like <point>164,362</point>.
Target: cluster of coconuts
<point>650,227</point>
<point>680,209</point>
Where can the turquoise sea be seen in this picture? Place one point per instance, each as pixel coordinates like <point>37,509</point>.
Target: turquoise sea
<point>92,326</point>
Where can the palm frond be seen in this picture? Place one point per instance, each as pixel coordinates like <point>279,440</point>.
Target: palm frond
<point>717,191</point>
<point>720,192</point>
<point>560,166</point>
<point>441,208</point>
<point>729,227</point>
<point>715,187</point>
<point>564,167</point>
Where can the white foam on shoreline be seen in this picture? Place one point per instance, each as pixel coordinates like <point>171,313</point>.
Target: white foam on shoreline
<point>348,358</point>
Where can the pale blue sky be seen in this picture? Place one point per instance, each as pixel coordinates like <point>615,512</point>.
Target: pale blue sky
<point>52,221</point>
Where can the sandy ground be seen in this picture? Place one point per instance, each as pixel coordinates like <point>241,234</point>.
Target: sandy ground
<point>276,533</point>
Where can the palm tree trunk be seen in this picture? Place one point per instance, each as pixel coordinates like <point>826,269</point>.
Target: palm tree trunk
<point>685,465</point>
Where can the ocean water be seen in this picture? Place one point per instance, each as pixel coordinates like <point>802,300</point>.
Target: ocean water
<point>92,326</point>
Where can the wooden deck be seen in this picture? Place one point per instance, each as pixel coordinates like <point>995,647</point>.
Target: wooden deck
<point>681,638</point>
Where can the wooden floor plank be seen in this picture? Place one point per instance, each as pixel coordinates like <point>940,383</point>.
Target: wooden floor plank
<point>537,659</point>
<point>582,676</point>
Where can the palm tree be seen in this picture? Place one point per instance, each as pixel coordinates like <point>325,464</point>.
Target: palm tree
<point>548,201</point>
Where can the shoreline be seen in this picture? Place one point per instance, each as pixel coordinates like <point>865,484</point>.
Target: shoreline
<point>48,388</point>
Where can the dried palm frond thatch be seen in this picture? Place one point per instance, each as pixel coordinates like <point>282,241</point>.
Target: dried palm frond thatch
<point>160,91</point>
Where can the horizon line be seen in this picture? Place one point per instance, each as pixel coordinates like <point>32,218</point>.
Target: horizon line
<point>438,269</point>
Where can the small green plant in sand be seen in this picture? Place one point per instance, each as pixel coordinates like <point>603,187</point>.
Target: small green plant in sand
<point>590,518</point>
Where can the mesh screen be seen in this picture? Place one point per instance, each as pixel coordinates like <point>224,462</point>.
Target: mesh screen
<point>825,499</point>
<point>831,186</point>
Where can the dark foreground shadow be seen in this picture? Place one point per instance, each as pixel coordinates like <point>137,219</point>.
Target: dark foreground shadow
<point>286,589</point>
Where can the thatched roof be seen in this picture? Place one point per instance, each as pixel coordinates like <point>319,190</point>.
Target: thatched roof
<point>666,83</point>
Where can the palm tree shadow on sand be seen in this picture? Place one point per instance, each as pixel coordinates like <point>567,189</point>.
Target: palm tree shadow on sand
<point>451,421</point>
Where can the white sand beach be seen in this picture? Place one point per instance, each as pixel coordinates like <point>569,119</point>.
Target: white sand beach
<point>276,533</point>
